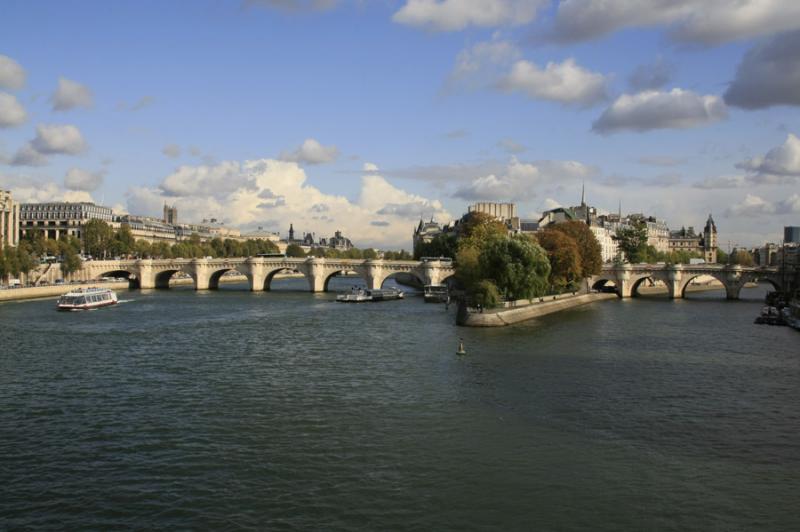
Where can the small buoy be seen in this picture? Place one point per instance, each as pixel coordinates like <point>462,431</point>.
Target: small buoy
<point>461,350</point>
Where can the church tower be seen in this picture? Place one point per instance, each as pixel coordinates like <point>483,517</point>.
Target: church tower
<point>291,233</point>
<point>710,241</point>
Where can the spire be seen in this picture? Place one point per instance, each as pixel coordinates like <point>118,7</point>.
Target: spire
<point>620,210</point>
<point>583,193</point>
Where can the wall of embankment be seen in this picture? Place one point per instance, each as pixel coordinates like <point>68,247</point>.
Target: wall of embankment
<point>509,316</point>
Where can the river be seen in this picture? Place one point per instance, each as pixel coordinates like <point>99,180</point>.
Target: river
<point>285,410</point>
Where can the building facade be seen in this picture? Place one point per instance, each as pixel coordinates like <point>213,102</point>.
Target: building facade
<point>703,244</point>
<point>170,214</point>
<point>9,220</point>
<point>149,229</point>
<point>791,234</point>
<point>57,220</point>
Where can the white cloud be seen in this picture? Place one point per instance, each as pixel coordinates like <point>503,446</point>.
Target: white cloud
<point>779,164</point>
<point>71,94</point>
<point>272,193</point>
<point>701,21</point>
<point>173,151</point>
<point>50,140</point>
<point>12,75</point>
<point>454,15</point>
<point>312,152</point>
<point>768,75</point>
<point>370,168</point>
<point>752,206</point>
<point>30,189</point>
<point>83,180</point>
<point>565,82</point>
<point>734,181</point>
<point>677,109</point>
<point>482,64</point>
<point>521,181</point>
<point>11,111</point>
<point>660,160</point>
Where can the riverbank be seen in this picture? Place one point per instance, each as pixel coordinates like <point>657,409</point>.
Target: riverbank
<point>509,316</point>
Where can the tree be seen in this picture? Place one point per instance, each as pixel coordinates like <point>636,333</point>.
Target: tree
<point>591,255</point>
<point>741,257</point>
<point>722,256</point>
<point>70,261</point>
<point>442,245</point>
<point>97,237</point>
<point>480,227</point>
<point>294,250</point>
<point>123,242</point>
<point>518,266</point>
<point>369,253</point>
<point>25,261</point>
<point>632,241</point>
<point>564,256</point>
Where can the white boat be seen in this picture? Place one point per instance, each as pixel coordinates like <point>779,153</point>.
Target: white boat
<point>356,295</point>
<point>436,293</point>
<point>87,299</point>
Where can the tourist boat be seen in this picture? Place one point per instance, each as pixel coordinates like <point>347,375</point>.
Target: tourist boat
<point>360,295</point>
<point>792,313</point>
<point>87,299</point>
<point>434,293</point>
<point>385,294</point>
<point>356,295</point>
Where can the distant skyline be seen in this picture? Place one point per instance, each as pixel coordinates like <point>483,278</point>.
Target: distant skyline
<point>365,116</point>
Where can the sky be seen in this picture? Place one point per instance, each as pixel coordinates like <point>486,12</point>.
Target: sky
<point>365,115</point>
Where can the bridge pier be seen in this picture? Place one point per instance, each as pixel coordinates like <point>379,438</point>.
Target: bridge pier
<point>673,282</point>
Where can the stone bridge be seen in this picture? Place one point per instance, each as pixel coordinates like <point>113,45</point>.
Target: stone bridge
<point>206,273</point>
<point>628,277</point>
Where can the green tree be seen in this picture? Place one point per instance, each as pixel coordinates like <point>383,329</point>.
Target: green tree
<point>97,238</point>
<point>742,257</point>
<point>485,294</point>
<point>123,242</point>
<point>294,250</point>
<point>70,261</point>
<point>369,253</point>
<point>591,254</point>
<point>564,256</point>
<point>442,245</point>
<point>722,256</point>
<point>632,241</point>
<point>26,263</point>
<point>143,249</point>
<point>517,265</point>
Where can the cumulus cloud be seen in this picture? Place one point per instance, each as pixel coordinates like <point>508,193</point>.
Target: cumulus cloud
<point>173,151</point>
<point>84,180</point>
<point>71,94</point>
<point>700,21</point>
<point>12,75</point>
<point>565,82</point>
<point>454,15</point>
<point>482,64</point>
<point>31,189</point>
<point>370,168</point>
<point>780,164</point>
<point>311,152</point>
<point>768,75</point>
<point>50,140</point>
<point>521,181</point>
<point>677,109</point>
<point>752,206</point>
<point>651,76</point>
<point>268,192</point>
<point>11,111</point>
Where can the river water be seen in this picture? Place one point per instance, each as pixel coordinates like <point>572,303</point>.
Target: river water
<point>286,410</point>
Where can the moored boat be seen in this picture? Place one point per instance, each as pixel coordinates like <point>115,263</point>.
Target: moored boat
<point>434,293</point>
<point>87,299</point>
<point>356,295</point>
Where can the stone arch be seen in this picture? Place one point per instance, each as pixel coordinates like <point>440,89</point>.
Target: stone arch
<point>163,277</point>
<point>133,279</point>
<point>338,273</point>
<point>691,277</point>
<point>767,279</point>
<point>419,278</point>
<point>272,273</point>
<point>636,282</point>
<point>601,284</point>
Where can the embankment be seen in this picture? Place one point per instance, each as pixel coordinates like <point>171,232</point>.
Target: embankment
<point>509,316</point>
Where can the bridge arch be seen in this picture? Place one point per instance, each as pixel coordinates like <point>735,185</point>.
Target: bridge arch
<point>216,276</point>
<point>721,278</point>
<point>393,275</point>
<point>272,273</point>
<point>163,277</point>
<point>606,284</point>
<point>341,273</point>
<point>133,279</point>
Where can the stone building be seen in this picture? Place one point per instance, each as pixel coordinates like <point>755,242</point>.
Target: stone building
<point>704,244</point>
<point>170,214</point>
<point>56,220</point>
<point>9,220</point>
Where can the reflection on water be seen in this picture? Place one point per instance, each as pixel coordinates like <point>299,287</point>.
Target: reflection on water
<point>284,409</point>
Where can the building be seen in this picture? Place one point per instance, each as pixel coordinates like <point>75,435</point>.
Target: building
<point>9,220</point>
<point>658,234</point>
<point>766,255</point>
<point>337,241</point>
<point>688,240</point>
<point>149,229</point>
<point>503,212</point>
<point>170,214</point>
<point>56,220</point>
<point>791,234</point>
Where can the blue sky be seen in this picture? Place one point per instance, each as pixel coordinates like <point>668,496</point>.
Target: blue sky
<point>362,116</point>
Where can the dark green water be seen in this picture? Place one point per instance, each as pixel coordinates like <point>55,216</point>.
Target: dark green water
<point>282,410</point>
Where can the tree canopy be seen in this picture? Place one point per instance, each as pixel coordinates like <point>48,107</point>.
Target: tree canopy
<point>591,255</point>
<point>632,241</point>
<point>565,259</point>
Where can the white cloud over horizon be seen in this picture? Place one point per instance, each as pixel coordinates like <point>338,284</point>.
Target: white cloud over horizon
<point>50,139</point>
<point>311,152</point>
<point>454,15</point>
